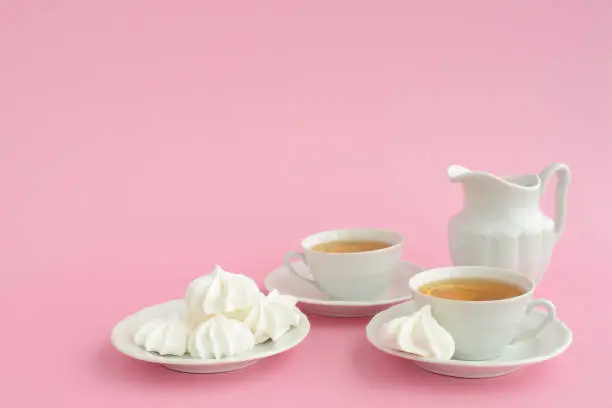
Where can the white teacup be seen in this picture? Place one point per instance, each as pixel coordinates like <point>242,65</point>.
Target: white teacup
<point>350,275</point>
<point>481,329</point>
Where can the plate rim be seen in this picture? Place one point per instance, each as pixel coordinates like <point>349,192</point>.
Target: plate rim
<point>345,303</point>
<point>118,331</point>
<point>371,336</point>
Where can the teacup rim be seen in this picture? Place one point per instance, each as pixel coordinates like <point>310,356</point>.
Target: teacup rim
<point>528,292</point>
<point>400,236</point>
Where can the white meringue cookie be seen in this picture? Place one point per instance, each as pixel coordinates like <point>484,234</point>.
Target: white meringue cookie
<point>419,333</point>
<point>220,337</point>
<point>221,292</point>
<point>275,315</point>
<point>166,336</point>
<point>193,319</point>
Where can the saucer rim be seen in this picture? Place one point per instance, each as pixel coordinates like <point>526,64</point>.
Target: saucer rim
<point>124,325</point>
<point>374,322</point>
<point>348,303</point>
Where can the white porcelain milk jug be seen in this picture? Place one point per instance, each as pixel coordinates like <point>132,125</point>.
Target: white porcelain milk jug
<point>501,224</point>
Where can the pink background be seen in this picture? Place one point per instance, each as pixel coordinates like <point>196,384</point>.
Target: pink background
<point>143,141</point>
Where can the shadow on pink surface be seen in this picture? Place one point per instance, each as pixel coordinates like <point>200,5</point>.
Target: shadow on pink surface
<point>383,370</point>
<point>124,371</point>
<point>369,367</point>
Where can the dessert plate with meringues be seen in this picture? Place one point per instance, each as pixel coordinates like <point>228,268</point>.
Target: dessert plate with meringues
<point>346,273</point>
<point>223,323</point>
<point>471,322</point>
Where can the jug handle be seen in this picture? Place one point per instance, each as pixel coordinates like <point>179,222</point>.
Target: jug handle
<point>563,179</point>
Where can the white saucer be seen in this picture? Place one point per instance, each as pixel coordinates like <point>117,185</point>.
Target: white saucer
<point>314,301</point>
<point>121,338</point>
<point>554,340</point>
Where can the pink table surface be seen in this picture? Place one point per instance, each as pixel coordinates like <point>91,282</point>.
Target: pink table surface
<point>143,141</point>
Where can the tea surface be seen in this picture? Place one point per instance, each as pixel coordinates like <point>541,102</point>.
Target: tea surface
<point>472,289</point>
<point>350,246</point>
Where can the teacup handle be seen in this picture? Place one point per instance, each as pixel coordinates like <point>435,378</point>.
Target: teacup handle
<point>550,317</point>
<point>292,255</point>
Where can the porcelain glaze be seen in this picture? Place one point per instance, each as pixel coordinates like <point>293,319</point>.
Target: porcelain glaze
<point>553,341</point>
<point>502,225</point>
<point>313,300</point>
<point>122,338</point>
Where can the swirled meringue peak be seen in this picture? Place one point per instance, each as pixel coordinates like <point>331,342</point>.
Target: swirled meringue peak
<point>220,337</point>
<point>166,336</point>
<point>221,292</point>
<point>420,334</point>
<point>274,316</point>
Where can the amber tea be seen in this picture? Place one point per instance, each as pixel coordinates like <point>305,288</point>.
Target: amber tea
<point>472,289</point>
<point>350,246</point>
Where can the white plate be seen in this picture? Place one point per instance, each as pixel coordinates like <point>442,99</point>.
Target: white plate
<point>314,301</point>
<point>554,340</point>
<point>121,338</point>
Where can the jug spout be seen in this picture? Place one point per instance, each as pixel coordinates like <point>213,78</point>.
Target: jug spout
<point>459,174</point>
<point>487,191</point>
